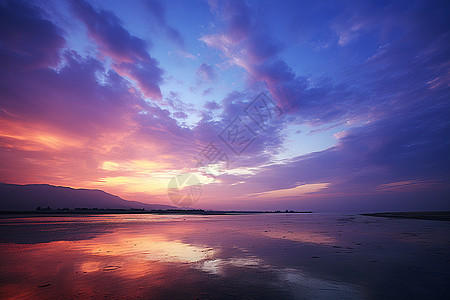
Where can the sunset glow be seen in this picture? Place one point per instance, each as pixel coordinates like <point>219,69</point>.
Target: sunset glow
<point>123,96</point>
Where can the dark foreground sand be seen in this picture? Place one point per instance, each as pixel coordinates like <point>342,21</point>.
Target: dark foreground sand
<point>274,256</point>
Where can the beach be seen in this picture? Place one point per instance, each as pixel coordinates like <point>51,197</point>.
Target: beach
<point>260,256</point>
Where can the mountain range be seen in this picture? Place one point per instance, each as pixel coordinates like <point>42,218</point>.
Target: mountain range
<point>31,196</point>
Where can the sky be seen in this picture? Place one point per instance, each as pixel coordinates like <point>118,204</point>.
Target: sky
<point>299,105</point>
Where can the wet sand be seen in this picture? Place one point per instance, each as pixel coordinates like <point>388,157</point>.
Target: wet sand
<point>273,256</point>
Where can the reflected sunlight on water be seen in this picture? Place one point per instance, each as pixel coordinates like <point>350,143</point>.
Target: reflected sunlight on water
<point>212,257</point>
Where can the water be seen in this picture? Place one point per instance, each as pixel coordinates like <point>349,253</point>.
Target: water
<point>264,256</point>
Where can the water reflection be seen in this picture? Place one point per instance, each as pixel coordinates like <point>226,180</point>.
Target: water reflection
<point>213,257</point>
<point>153,247</point>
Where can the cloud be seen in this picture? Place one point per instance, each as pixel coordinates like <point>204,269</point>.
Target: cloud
<point>129,53</point>
<point>182,54</point>
<point>293,192</point>
<point>206,72</point>
<point>246,44</point>
<point>34,41</point>
<point>211,105</point>
<point>158,11</point>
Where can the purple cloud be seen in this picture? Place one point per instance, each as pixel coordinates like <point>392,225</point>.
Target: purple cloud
<point>212,105</point>
<point>34,41</point>
<point>158,11</point>
<point>206,72</point>
<point>129,52</point>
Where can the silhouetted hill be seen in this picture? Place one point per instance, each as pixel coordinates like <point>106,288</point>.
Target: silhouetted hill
<point>30,196</point>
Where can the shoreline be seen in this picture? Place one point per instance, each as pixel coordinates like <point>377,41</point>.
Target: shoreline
<point>417,215</point>
<point>140,211</point>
